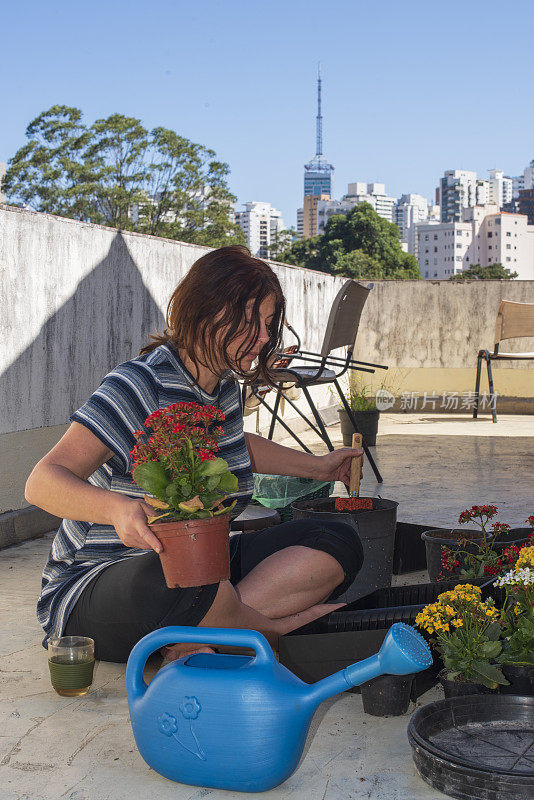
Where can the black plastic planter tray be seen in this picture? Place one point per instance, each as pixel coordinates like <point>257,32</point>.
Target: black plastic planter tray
<point>343,637</point>
<point>473,749</point>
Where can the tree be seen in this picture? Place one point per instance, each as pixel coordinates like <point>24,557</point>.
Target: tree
<point>358,244</point>
<point>491,272</point>
<point>281,241</point>
<point>117,173</point>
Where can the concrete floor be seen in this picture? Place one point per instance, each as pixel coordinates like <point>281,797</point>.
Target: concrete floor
<point>56,748</point>
<point>436,465</point>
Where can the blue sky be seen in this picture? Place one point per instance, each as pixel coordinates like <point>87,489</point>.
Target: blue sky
<point>409,88</point>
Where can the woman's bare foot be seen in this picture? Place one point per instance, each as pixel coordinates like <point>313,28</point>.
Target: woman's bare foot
<point>180,650</point>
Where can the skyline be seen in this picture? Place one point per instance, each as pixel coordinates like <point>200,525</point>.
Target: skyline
<point>406,92</point>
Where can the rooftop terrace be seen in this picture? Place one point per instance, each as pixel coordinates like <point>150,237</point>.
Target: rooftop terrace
<point>55,748</point>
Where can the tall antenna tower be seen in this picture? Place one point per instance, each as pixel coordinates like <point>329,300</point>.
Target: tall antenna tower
<point>318,171</point>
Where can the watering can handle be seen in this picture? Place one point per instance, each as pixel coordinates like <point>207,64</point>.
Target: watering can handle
<point>235,637</point>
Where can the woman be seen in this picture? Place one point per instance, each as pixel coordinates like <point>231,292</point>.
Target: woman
<point>103,578</point>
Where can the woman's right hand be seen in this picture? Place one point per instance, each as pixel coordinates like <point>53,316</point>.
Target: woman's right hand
<point>130,520</point>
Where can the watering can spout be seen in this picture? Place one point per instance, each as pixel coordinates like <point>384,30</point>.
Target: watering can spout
<point>403,651</point>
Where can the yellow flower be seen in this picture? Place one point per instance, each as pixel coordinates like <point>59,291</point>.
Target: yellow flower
<point>457,622</point>
<point>526,558</point>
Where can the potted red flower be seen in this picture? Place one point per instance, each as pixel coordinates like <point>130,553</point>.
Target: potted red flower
<point>475,554</point>
<point>175,461</point>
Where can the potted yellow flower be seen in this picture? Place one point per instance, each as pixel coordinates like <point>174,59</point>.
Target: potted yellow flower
<point>466,633</point>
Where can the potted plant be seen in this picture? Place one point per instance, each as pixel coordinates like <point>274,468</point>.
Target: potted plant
<point>176,463</point>
<point>362,401</point>
<point>517,657</point>
<point>476,553</point>
<point>466,633</point>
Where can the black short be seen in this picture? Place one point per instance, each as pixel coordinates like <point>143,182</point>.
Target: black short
<point>130,598</point>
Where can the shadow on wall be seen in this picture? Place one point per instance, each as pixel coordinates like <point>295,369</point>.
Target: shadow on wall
<point>105,322</point>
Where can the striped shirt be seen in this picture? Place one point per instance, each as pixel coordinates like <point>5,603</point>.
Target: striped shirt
<point>125,398</point>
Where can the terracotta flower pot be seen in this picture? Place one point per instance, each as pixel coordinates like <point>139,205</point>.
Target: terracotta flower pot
<point>196,552</point>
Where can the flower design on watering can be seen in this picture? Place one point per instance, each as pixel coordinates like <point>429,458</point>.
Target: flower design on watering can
<point>190,708</point>
<point>167,724</point>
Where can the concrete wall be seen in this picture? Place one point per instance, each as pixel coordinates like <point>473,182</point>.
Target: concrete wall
<point>429,333</point>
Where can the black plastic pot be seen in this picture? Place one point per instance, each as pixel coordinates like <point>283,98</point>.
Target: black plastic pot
<point>387,695</point>
<point>521,679</point>
<point>517,536</point>
<point>461,688</point>
<point>367,422</point>
<point>437,538</point>
<point>376,530</point>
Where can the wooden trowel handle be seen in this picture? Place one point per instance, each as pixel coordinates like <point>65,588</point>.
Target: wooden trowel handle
<point>355,467</point>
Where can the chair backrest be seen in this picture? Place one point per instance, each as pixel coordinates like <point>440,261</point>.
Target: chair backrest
<point>514,320</point>
<point>344,317</point>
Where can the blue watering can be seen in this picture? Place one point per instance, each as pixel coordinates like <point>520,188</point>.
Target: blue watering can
<point>240,722</point>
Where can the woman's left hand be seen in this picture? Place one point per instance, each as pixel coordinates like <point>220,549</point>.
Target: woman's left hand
<point>335,466</point>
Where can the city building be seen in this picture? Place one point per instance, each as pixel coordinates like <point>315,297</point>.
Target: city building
<point>410,209</point>
<point>525,204</point>
<point>500,188</point>
<point>484,236</point>
<point>300,223</point>
<point>458,189</point>
<point>310,214</point>
<point>375,194</point>
<point>318,171</point>
<point>319,208</point>
<point>260,223</point>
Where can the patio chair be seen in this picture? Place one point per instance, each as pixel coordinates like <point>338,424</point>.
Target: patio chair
<point>514,321</point>
<point>341,329</point>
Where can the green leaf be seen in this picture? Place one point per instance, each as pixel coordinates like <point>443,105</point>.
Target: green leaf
<point>152,477</point>
<point>490,673</point>
<point>214,467</point>
<point>491,649</point>
<point>493,631</point>
<point>228,483</point>
<point>212,481</point>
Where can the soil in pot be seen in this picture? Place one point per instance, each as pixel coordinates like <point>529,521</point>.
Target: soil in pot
<point>196,552</point>
<point>458,688</point>
<point>367,422</point>
<point>467,540</point>
<point>387,695</point>
<point>521,679</point>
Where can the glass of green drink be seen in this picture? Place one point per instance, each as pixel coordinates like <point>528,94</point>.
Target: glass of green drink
<point>71,660</point>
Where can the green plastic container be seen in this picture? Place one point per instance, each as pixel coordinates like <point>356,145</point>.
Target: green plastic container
<point>280,491</point>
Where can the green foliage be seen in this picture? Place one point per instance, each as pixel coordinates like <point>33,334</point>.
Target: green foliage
<point>519,640</point>
<point>117,173</point>
<point>490,273</point>
<point>361,244</point>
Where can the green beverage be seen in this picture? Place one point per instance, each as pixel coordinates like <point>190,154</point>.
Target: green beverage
<point>71,678</point>
<point>71,662</point>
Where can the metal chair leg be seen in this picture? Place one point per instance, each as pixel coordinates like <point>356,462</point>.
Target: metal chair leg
<point>283,424</point>
<point>493,399</point>
<point>324,435</point>
<point>275,414</point>
<point>353,421</point>
<point>477,386</point>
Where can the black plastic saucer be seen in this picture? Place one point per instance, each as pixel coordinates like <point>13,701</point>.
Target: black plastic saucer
<point>473,748</point>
